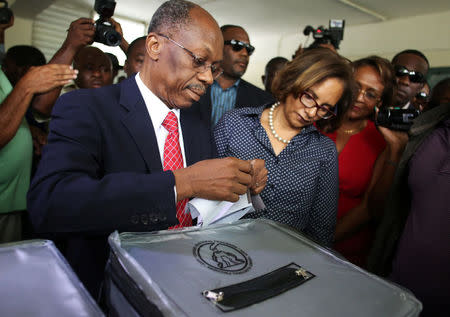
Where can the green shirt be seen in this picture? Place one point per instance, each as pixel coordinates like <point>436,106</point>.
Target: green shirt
<point>15,162</point>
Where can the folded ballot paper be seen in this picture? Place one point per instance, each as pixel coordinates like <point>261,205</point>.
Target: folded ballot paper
<point>211,212</point>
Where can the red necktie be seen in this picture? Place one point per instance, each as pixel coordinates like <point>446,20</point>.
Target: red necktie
<point>174,160</point>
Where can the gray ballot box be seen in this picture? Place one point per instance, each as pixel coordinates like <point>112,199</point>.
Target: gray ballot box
<point>248,268</point>
<point>36,280</point>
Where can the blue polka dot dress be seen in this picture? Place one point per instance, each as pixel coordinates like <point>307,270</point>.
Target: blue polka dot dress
<point>302,186</point>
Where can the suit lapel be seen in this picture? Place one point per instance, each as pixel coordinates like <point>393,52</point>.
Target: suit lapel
<point>137,121</point>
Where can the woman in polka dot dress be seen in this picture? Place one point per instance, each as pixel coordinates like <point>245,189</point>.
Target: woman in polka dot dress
<point>302,185</point>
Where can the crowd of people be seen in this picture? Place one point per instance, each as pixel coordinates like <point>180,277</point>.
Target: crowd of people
<point>81,157</point>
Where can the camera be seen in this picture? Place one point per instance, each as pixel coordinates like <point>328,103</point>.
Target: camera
<point>334,34</point>
<point>5,13</point>
<point>396,118</point>
<point>104,31</point>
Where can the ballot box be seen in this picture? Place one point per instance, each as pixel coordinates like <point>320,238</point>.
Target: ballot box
<point>36,280</point>
<point>248,268</point>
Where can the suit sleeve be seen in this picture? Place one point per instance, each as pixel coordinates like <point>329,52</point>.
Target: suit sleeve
<point>72,193</point>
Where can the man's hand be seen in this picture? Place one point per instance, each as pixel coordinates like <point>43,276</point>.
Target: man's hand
<point>217,179</point>
<point>80,33</point>
<point>5,26</point>
<point>259,176</point>
<point>44,78</point>
<point>123,43</point>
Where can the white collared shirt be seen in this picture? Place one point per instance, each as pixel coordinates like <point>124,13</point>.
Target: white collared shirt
<point>158,112</point>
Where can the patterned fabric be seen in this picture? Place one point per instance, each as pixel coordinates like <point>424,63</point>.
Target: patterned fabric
<point>174,160</point>
<point>223,100</point>
<point>302,185</point>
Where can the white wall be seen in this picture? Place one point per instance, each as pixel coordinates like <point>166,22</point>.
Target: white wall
<point>427,33</point>
<point>20,33</point>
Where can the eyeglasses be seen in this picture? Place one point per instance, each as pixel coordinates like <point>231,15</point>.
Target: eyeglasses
<point>414,77</point>
<point>322,111</point>
<point>237,46</point>
<point>369,95</point>
<point>198,63</point>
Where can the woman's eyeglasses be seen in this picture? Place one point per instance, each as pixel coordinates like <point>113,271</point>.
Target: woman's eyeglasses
<point>237,46</point>
<point>198,63</point>
<point>414,77</point>
<point>322,111</point>
<point>369,95</point>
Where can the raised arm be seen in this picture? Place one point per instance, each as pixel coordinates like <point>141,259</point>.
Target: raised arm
<point>36,80</point>
<point>80,33</point>
<point>386,167</point>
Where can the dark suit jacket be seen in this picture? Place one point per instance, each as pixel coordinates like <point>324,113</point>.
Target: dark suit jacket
<point>101,171</point>
<point>248,95</point>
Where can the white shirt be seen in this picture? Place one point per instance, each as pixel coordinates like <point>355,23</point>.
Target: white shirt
<point>158,112</point>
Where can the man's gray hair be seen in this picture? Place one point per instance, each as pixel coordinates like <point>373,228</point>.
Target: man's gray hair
<point>171,16</point>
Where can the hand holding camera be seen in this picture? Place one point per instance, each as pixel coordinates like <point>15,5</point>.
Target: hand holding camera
<point>80,33</point>
<point>105,31</point>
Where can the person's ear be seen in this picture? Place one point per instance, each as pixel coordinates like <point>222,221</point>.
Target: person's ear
<point>153,45</point>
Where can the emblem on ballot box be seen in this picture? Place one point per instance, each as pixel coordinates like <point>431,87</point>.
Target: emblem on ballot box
<point>222,257</point>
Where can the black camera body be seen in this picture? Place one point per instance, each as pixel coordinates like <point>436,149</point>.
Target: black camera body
<point>5,13</point>
<point>104,31</point>
<point>396,119</point>
<point>334,34</point>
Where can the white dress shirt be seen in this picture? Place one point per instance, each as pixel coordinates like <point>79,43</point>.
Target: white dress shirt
<point>158,112</point>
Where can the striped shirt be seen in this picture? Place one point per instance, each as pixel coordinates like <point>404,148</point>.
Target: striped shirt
<point>222,100</point>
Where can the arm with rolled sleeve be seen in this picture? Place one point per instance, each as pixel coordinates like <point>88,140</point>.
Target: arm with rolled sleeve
<point>92,181</point>
<point>323,215</point>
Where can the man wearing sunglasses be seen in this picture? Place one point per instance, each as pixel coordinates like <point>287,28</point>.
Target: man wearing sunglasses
<point>229,90</point>
<point>411,68</point>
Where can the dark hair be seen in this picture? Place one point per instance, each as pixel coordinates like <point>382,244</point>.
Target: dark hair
<point>225,27</point>
<point>413,52</point>
<point>274,62</point>
<point>313,67</point>
<point>25,55</point>
<point>114,61</point>
<point>134,43</point>
<point>171,16</point>
<point>386,71</point>
<point>438,92</point>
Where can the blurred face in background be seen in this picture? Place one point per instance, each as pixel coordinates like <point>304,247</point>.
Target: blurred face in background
<point>135,58</point>
<point>407,88</point>
<point>95,68</point>
<point>370,87</point>
<point>234,63</point>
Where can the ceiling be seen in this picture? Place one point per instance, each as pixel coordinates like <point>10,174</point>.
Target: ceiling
<point>272,17</point>
<point>289,16</point>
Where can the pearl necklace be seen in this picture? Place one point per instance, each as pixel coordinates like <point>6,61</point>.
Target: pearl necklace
<point>272,129</point>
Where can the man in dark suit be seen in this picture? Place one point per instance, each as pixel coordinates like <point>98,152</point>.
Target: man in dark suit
<point>229,90</point>
<point>102,169</point>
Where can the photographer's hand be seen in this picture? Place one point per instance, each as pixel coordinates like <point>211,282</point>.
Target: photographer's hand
<point>123,44</point>
<point>3,27</point>
<point>80,33</point>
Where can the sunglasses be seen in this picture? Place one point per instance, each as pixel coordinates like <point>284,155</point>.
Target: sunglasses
<point>237,46</point>
<point>422,96</point>
<point>414,77</point>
